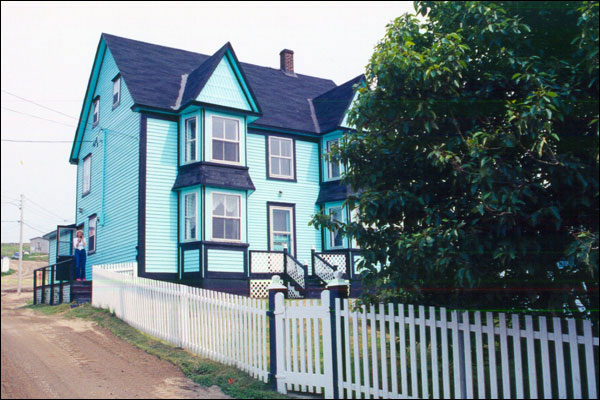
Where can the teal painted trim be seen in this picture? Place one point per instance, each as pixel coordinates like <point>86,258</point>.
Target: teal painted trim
<point>223,88</point>
<point>327,232</point>
<point>240,77</point>
<point>224,261</point>
<point>87,103</point>
<point>182,137</point>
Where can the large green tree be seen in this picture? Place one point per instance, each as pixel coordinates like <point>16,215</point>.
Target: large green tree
<point>476,156</point>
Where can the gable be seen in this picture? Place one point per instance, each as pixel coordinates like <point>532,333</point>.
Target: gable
<point>224,88</point>
<point>344,123</point>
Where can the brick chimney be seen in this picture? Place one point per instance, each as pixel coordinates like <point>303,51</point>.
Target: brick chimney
<point>286,58</point>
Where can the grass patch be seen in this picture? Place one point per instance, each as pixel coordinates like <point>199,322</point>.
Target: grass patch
<point>232,381</point>
<point>9,272</point>
<point>8,249</point>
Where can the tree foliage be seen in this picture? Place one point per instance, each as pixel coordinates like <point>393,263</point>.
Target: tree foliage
<point>476,156</point>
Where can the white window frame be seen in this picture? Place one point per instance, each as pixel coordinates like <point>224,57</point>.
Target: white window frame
<point>330,163</point>
<point>86,171</point>
<point>224,139</point>
<point>272,230</point>
<point>96,112</point>
<point>332,232</point>
<point>212,216</point>
<point>193,217</point>
<point>291,158</point>
<point>95,241</point>
<point>117,91</point>
<point>187,141</point>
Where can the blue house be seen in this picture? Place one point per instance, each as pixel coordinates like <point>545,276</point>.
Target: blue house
<point>206,170</point>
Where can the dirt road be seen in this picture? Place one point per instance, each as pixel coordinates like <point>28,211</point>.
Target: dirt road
<point>51,357</point>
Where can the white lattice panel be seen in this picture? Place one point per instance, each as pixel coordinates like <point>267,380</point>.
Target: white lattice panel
<point>337,260</point>
<point>259,288</point>
<point>265,262</point>
<point>293,293</point>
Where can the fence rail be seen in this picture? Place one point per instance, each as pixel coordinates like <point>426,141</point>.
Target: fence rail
<point>383,351</point>
<point>226,328</point>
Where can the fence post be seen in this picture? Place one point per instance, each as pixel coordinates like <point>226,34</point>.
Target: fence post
<point>338,289</point>
<point>34,287</point>
<point>276,378</point>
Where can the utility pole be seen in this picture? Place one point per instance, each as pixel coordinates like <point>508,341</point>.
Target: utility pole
<point>21,247</point>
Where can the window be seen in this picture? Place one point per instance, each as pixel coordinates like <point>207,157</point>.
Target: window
<point>96,116</point>
<point>87,175</point>
<point>281,228</point>
<point>281,158</point>
<point>191,139</point>
<point>190,204</point>
<point>116,91</point>
<point>225,140</point>
<point>335,238</point>
<point>333,166</point>
<point>92,234</point>
<point>226,221</point>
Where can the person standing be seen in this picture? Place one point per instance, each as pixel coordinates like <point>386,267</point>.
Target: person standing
<point>80,255</point>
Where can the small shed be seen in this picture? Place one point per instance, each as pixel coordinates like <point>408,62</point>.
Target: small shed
<point>5,264</point>
<point>39,245</point>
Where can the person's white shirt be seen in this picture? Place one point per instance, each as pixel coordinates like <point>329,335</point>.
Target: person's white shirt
<point>79,245</point>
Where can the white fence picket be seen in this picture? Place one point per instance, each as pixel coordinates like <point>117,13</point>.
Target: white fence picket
<point>373,357</point>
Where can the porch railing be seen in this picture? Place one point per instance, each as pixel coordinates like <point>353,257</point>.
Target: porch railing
<point>52,283</point>
<point>343,260</point>
<point>322,269</point>
<point>265,264</point>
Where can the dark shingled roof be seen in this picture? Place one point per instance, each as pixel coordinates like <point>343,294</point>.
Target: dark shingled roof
<point>154,76</point>
<point>209,174</point>
<point>331,106</point>
<point>333,191</point>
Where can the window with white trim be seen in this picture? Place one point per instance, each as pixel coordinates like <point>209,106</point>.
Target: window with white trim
<point>191,139</point>
<point>96,115</point>
<point>281,158</point>
<point>92,233</point>
<point>86,181</point>
<point>190,216</point>
<point>226,140</point>
<point>226,217</point>
<point>281,228</point>
<point>335,237</point>
<point>116,90</point>
<point>333,166</point>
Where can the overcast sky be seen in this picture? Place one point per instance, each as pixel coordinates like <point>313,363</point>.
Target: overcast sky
<point>48,50</point>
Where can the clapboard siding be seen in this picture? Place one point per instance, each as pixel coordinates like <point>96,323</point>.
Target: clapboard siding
<point>191,260</point>
<point>303,193</point>
<point>52,250</point>
<point>161,201</point>
<point>223,88</point>
<point>114,146</point>
<point>225,261</point>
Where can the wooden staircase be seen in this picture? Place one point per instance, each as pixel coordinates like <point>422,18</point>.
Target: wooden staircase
<point>81,292</point>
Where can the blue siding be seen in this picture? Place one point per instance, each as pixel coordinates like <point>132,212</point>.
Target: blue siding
<point>223,88</point>
<point>302,193</point>
<point>161,201</point>
<point>52,250</point>
<point>114,147</point>
<point>225,261</point>
<point>191,260</point>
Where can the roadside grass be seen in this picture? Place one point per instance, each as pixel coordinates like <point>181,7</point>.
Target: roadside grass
<point>8,249</point>
<point>9,272</point>
<point>232,381</point>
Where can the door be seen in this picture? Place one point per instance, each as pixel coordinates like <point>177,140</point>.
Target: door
<point>64,252</point>
<point>281,228</point>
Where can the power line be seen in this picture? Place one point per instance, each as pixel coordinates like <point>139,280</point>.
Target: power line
<point>39,105</point>
<point>33,227</point>
<point>35,116</point>
<point>40,141</point>
<point>45,209</point>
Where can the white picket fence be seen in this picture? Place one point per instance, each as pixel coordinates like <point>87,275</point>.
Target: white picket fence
<point>222,327</point>
<point>388,351</point>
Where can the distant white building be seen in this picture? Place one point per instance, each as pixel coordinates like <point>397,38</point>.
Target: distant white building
<point>5,264</point>
<point>39,245</point>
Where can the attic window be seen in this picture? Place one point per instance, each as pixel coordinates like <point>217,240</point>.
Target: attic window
<point>96,115</point>
<point>116,91</point>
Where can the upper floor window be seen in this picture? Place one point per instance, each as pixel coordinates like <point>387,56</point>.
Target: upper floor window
<point>333,166</point>
<point>190,204</point>
<point>226,140</point>
<point>92,234</point>
<point>336,239</point>
<point>116,90</point>
<point>226,219</point>
<point>191,139</point>
<point>96,115</point>
<point>86,182</point>
<point>281,158</point>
